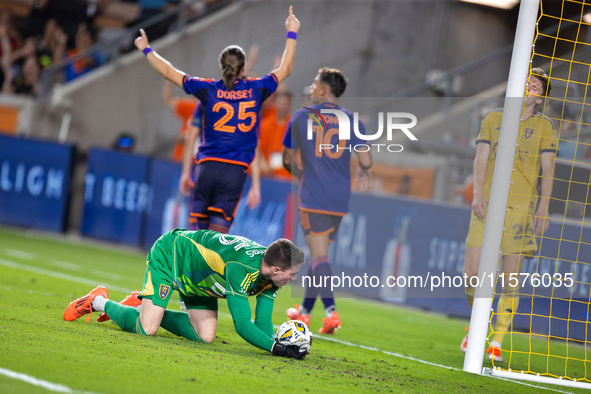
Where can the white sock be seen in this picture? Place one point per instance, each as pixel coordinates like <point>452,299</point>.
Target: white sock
<point>495,344</point>
<point>328,311</point>
<point>99,302</point>
<point>304,311</point>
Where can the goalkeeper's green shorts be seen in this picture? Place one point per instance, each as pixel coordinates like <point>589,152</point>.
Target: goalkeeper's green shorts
<point>159,279</point>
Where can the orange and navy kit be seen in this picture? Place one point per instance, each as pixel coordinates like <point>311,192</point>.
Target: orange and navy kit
<point>231,117</point>
<point>230,125</point>
<point>325,185</point>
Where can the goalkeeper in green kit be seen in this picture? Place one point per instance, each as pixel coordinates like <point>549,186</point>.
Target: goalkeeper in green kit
<point>204,266</point>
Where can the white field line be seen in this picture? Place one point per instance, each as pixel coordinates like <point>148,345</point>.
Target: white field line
<point>58,388</point>
<point>28,291</point>
<point>374,349</point>
<point>59,275</point>
<point>76,267</point>
<point>64,265</point>
<point>20,254</point>
<point>107,275</point>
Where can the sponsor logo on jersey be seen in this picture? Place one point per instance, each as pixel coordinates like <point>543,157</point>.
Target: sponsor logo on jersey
<point>254,252</point>
<point>219,290</point>
<point>163,291</point>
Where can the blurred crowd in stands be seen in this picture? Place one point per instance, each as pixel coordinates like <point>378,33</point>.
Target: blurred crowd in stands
<point>35,34</point>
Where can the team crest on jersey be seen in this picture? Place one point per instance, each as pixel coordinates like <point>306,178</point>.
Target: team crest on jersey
<point>164,290</point>
<point>529,132</point>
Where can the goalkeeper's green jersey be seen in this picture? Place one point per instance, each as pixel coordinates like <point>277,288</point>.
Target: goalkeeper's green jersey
<point>209,264</point>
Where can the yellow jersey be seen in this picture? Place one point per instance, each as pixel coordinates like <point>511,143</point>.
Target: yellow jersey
<point>537,135</point>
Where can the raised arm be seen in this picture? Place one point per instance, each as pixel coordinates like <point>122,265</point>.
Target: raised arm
<point>292,24</point>
<point>159,64</point>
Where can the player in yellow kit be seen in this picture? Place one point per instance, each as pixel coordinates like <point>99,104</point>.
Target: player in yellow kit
<point>527,211</point>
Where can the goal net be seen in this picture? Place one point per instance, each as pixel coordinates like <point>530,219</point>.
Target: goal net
<point>545,306</point>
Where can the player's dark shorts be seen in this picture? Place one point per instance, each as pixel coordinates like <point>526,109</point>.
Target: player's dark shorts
<point>217,190</point>
<point>320,223</point>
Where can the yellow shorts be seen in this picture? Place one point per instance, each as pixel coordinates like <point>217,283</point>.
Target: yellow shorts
<point>518,237</point>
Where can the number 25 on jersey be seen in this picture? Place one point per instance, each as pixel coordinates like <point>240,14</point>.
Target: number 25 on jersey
<point>249,118</point>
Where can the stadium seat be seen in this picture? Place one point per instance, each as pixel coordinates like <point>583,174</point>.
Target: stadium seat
<point>8,119</point>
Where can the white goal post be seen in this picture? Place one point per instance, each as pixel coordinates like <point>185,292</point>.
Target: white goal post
<point>501,182</point>
<point>497,208</point>
<point>497,372</point>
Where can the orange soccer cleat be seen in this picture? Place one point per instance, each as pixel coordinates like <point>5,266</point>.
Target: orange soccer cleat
<point>83,305</point>
<point>494,354</point>
<point>294,314</point>
<point>331,324</point>
<point>130,300</point>
<point>464,343</point>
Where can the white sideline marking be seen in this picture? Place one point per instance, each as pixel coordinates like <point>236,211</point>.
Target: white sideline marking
<point>425,362</point>
<point>42,271</point>
<point>65,265</point>
<point>59,388</point>
<point>532,385</point>
<point>28,291</point>
<point>76,267</point>
<point>36,382</point>
<point>60,275</point>
<point>20,254</point>
<point>106,274</point>
<point>374,349</point>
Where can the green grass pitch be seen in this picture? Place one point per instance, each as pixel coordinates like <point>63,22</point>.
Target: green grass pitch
<point>382,348</point>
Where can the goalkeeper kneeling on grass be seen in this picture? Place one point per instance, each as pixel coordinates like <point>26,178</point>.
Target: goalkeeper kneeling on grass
<point>204,266</point>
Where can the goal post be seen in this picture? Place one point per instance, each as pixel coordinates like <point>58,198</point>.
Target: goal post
<point>545,337</point>
<point>499,195</point>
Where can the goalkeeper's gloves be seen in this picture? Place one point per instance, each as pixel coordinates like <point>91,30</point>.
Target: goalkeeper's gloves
<point>289,351</point>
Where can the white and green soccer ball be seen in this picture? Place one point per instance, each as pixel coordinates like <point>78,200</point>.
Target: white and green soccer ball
<point>295,332</point>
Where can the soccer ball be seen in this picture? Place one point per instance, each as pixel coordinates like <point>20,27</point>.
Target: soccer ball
<point>295,332</point>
